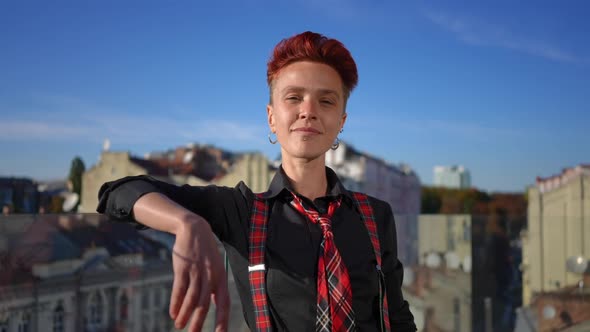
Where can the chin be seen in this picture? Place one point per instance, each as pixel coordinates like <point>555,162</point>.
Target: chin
<point>304,151</point>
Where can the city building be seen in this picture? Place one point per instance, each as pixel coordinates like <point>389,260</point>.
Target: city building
<point>81,273</point>
<point>52,195</point>
<point>193,165</point>
<point>397,185</point>
<point>445,235</point>
<point>566,309</point>
<point>18,195</point>
<point>558,229</point>
<point>452,177</point>
<point>477,248</point>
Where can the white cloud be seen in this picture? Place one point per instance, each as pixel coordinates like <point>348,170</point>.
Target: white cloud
<point>477,32</point>
<point>36,130</point>
<point>69,119</point>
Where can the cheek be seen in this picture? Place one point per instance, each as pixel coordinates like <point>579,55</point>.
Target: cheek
<point>284,119</point>
<point>334,124</point>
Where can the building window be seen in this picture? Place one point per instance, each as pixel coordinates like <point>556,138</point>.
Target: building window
<point>145,322</point>
<point>157,298</point>
<point>58,318</point>
<point>95,311</point>
<point>124,307</point>
<point>466,232</point>
<point>5,196</point>
<point>145,299</point>
<point>25,323</point>
<point>4,325</point>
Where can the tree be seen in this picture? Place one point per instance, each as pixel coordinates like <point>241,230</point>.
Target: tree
<point>75,177</point>
<point>431,200</point>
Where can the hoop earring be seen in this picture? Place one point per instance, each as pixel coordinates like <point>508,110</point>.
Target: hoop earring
<point>336,144</point>
<point>270,139</point>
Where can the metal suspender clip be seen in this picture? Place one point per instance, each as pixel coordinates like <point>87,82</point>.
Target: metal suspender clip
<point>258,267</point>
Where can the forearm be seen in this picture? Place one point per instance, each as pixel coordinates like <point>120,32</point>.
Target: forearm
<point>148,202</point>
<point>157,211</point>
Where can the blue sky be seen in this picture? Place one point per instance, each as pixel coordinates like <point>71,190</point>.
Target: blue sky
<point>502,89</point>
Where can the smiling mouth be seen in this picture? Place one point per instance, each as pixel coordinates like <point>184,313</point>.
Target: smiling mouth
<point>307,130</point>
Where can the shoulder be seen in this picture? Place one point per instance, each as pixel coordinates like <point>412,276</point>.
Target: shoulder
<point>382,212</point>
<point>379,206</point>
<point>246,194</point>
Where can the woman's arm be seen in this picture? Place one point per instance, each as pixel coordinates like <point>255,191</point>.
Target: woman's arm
<point>199,275</point>
<point>217,205</point>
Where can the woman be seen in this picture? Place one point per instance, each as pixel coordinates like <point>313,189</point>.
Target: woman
<point>307,254</point>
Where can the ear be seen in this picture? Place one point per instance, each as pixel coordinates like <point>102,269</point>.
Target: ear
<point>270,117</point>
<point>343,120</point>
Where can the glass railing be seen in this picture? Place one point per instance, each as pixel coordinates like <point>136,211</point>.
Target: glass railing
<point>81,272</point>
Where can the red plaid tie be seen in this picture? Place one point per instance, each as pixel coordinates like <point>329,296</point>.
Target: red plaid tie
<point>334,301</point>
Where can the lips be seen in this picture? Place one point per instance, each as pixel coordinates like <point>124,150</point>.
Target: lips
<point>307,130</point>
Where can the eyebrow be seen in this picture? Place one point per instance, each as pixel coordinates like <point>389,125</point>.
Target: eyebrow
<point>292,88</point>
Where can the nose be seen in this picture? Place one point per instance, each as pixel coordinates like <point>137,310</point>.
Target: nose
<point>308,110</point>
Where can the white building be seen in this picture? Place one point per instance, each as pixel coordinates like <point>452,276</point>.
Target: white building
<point>76,273</point>
<point>397,185</point>
<point>452,177</point>
<point>62,274</point>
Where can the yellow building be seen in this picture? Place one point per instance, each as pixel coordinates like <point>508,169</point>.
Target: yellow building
<point>448,235</point>
<point>558,228</point>
<point>252,168</point>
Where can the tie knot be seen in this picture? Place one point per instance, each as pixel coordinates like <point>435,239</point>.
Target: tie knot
<point>323,220</point>
<point>325,223</point>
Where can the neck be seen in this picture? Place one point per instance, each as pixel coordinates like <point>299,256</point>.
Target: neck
<point>308,177</point>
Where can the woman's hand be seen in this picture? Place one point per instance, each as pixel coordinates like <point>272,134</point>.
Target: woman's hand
<point>199,276</point>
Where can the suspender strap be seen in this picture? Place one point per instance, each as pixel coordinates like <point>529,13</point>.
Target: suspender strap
<point>366,211</point>
<point>256,269</point>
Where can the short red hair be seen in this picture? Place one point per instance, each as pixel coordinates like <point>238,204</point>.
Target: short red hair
<point>311,46</point>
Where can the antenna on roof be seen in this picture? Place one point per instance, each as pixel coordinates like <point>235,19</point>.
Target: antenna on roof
<point>452,260</point>
<point>106,145</point>
<point>578,265</point>
<point>549,311</point>
<point>433,260</point>
<point>188,157</point>
<point>71,199</point>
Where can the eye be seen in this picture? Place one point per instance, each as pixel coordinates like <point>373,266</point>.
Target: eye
<point>293,98</point>
<point>327,102</point>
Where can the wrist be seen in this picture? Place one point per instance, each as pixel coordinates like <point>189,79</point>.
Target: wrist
<point>190,223</point>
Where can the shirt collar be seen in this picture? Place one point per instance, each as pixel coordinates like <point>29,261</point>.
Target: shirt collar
<point>280,184</point>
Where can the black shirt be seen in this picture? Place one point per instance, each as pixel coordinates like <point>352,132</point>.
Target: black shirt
<point>292,246</point>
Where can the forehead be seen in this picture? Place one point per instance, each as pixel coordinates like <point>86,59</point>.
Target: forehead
<point>306,75</point>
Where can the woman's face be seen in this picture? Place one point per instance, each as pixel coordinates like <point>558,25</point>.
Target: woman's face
<point>307,109</point>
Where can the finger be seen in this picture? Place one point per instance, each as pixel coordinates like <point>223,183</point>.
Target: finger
<point>179,288</point>
<point>188,305</point>
<point>202,306</point>
<point>222,305</point>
